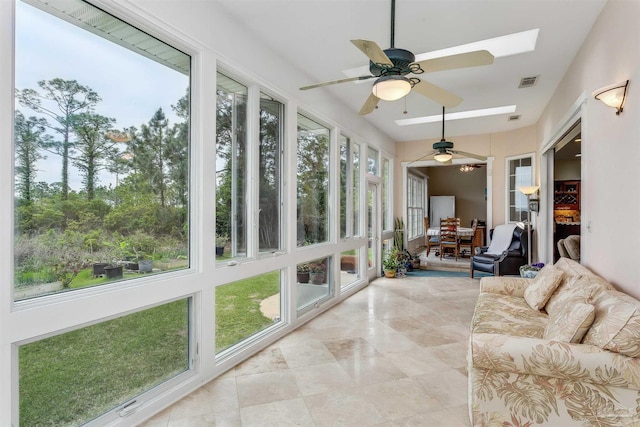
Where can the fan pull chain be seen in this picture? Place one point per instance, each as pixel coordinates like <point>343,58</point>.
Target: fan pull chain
<point>405,106</point>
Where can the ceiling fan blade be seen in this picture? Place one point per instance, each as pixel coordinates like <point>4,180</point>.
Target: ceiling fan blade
<point>334,82</point>
<point>461,60</point>
<point>369,105</point>
<point>441,96</point>
<point>431,154</point>
<point>373,51</point>
<point>473,156</point>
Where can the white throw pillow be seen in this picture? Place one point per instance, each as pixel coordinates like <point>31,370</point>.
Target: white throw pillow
<point>539,291</point>
<point>570,324</point>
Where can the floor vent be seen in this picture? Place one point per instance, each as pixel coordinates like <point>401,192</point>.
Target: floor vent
<point>528,81</point>
<point>512,118</point>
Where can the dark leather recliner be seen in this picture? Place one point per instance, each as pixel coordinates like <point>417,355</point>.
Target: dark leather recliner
<point>508,262</point>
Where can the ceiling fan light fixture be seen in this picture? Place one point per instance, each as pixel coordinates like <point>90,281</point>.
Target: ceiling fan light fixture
<point>443,157</point>
<point>391,88</point>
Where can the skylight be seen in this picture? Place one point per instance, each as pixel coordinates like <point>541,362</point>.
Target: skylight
<point>494,111</point>
<point>512,44</point>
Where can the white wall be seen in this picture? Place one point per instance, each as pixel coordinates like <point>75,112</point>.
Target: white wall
<point>610,143</point>
<point>497,145</point>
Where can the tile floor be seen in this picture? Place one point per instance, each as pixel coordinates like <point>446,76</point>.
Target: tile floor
<point>391,355</point>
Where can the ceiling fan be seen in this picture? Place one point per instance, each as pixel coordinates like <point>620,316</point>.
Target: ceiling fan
<point>444,152</point>
<point>392,66</point>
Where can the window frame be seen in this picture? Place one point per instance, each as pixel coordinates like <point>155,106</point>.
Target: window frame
<point>30,320</point>
<point>508,188</point>
<point>415,190</point>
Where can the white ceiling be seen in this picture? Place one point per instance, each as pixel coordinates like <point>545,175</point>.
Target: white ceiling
<point>314,36</point>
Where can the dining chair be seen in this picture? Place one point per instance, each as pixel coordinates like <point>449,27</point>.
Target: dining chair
<point>449,236</point>
<point>473,241</point>
<point>430,241</point>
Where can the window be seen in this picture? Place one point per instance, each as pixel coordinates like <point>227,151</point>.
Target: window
<point>373,165</point>
<point>102,156</point>
<point>345,188</point>
<point>231,168</point>
<point>519,173</point>
<point>270,177</point>
<point>349,268</point>
<point>315,286</point>
<point>313,182</point>
<point>415,207</point>
<point>387,214</point>
<point>355,157</point>
<point>71,378</point>
<point>246,307</point>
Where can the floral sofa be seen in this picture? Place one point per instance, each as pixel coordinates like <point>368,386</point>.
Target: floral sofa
<point>561,349</point>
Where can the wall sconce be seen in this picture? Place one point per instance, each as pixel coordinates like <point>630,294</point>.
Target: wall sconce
<point>613,95</point>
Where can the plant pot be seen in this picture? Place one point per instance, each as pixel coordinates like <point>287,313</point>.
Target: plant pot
<point>528,273</point>
<point>98,268</point>
<point>114,272</point>
<point>131,266</point>
<point>145,266</point>
<point>316,278</point>
<point>219,250</point>
<point>303,277</point>
<point>390,273</point>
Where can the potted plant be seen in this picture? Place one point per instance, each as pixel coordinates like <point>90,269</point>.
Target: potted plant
<point>303,272</point>
<point>530,271</point>
<point>390,264</point>
<point>317,272</point>
<point>221,241</point>
<point>415,261</point>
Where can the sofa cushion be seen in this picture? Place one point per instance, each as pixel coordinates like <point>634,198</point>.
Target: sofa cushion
<point>617,324</point>
<point>580,288</point>
<point>539,291</point>
<point>571,324</point>
<point>507,315</point>
<point>572,268</point>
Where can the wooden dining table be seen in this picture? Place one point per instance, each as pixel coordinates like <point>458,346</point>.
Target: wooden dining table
<point>462,231</point>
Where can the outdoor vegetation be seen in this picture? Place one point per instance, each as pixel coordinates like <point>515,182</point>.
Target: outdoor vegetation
<point>68,379</point>
<point>141,213</point>
<point>238,314</point>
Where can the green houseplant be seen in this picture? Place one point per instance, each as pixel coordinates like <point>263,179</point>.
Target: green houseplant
<point>390,263</point>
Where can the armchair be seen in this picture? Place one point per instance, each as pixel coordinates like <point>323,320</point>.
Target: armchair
<point>506,262</point>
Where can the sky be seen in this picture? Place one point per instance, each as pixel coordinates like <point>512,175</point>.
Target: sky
<point>132,87</point>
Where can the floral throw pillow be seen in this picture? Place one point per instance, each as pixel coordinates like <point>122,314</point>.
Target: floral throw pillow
<point>539,291</point>
<point>570,324</point>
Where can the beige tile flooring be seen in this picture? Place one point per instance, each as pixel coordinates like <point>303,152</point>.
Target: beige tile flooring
<point>391,355</point>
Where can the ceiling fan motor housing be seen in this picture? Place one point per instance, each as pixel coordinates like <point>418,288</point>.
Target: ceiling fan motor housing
<point>443,145</point>
<point>401,59</point>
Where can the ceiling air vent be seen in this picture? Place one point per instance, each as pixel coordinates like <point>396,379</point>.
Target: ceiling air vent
<point>528,81</point>
<point>512,118</point>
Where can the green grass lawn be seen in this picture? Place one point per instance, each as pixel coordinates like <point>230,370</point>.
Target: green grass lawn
<point>71,378</point>
<point>238,313</point>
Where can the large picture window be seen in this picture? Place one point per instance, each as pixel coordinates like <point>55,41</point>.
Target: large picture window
<point>519,174</point>
<point>71,378</point>
<point>101,155</point>
<point>313,182</point>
